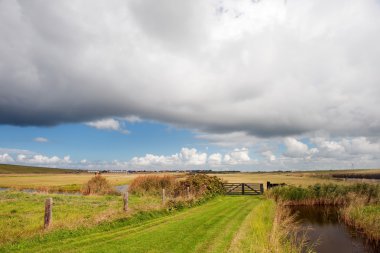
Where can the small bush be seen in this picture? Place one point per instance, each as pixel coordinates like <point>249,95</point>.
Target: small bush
<point>97,185</point>
<point>152,184</point>
<point>200,185</point>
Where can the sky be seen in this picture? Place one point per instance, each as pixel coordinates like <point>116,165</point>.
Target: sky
<point>165,84</point>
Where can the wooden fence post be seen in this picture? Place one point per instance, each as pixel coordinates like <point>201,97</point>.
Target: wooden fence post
<point>48,212</point>
<point>188,192</point>
<point>242,189</point>
<point>125,199</point>
<point>262,188</point>
<point>163,195</point>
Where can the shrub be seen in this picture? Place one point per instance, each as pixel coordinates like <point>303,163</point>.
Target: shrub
<point>152,184</point>
<point>200,185</point>
<point>97,185</point>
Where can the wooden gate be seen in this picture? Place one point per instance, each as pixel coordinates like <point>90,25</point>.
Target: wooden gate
<point>243,189</point>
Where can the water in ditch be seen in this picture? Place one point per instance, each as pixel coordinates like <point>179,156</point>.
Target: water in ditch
<point>327,233</point>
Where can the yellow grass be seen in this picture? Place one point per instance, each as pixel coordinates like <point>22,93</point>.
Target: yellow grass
<point>63,181</point>
<point>291,178</point>
<point>22,180</point>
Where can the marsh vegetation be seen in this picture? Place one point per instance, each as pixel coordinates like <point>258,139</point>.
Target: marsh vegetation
<point>194,208</point>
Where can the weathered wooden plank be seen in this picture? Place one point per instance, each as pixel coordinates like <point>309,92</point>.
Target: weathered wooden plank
<point>125,199</point>
<point>48,212</point>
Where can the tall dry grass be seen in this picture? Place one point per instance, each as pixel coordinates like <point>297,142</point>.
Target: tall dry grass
<point>97,185</point>
<point>286,235</point>
<point>359,204</point>
<point>364,217</point>
<point>152,185</point>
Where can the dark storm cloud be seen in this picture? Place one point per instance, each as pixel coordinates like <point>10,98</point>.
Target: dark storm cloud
<point>272,70</point>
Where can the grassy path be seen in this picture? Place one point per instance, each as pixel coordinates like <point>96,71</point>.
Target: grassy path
<point>207,228</point>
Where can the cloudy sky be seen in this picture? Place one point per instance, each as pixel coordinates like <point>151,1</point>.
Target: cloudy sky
<point>143,84</point>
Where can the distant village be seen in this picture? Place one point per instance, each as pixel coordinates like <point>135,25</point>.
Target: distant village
<point>179,171</point>
<point>161,171</point>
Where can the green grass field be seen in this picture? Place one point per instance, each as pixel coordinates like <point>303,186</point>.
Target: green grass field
<point>225,224</point>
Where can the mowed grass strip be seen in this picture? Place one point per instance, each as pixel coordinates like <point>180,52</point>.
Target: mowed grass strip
<point>210,227</point>
<point>253,234</point>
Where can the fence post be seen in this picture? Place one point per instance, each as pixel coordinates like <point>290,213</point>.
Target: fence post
<point>268,185</point>
<point>262,188</point>
<point>48,212</point>
<point>163,195</point>
<point>242,188</point>
<point>188,192</point>
<point>125,199</point>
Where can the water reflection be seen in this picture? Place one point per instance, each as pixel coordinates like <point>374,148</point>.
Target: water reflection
<point>328,233</point>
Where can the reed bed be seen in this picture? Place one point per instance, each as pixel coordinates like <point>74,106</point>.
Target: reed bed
<point>326,194</point>
<point>359,204</point>
<point>286,235</point>
<point>366,218</point>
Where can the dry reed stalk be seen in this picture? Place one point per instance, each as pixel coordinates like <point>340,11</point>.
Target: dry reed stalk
<point>287,235</point>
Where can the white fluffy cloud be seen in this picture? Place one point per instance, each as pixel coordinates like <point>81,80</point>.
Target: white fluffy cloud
<point>43,160</point>
<point>26,157</point>
<point>40,139</point>
<point>346,148</point>
<point>155,160</point>
<point>105,124</point>
<point>237,156</point>
<point>215,159</point>
<point>110,124</point>
<point>6,158</point>
<point>269,155</point>
<point>295,148</point>
<point>186,157</point>
<point>190,157</point>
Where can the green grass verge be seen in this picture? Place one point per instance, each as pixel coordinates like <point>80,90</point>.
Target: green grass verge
<point>253,235</point>
<point>21,214</point>
<point>365,218</point>
<point>215,226</point>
